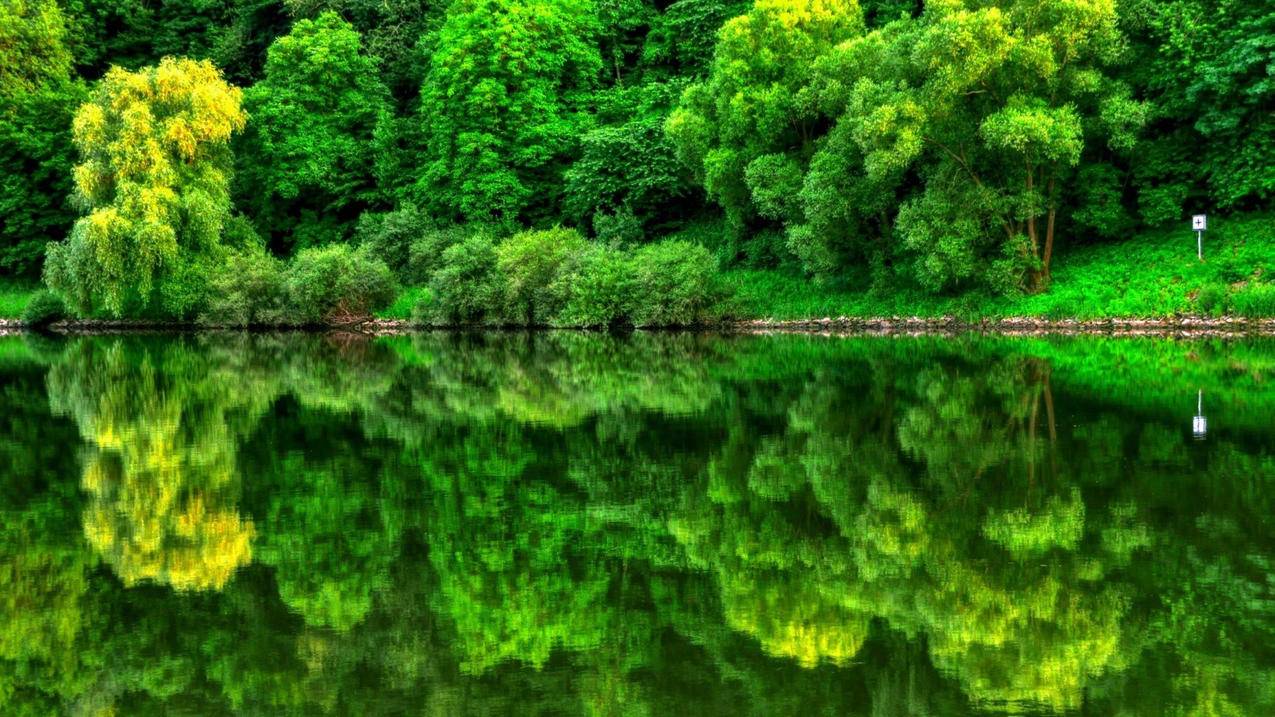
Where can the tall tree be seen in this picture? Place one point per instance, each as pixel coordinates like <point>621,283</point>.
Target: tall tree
<point>155,180</point>
<point>391,30</point>
<point>504,103</point>
<point>306,169</point>
<point>38,96</point>
<point>749,129</point>
<point>991,104</point>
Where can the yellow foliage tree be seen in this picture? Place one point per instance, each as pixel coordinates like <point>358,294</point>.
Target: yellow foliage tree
<point>154,180</point>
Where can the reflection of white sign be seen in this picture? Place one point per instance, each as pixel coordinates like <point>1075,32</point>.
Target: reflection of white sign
<point>1200,425</point>
<point>1199,222</point>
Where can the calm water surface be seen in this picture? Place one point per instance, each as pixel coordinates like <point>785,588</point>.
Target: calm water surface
<point>644,525</point>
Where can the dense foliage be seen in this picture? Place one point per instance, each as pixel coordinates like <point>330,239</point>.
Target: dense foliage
<point>315,115</point>
<point>555,277</point>
<point>38,97</point>
<point>154,178</point>
<point>910,147</point>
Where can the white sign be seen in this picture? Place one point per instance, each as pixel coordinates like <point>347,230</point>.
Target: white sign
<point>1199,222</point>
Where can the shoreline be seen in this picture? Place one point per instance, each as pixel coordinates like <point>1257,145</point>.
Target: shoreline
<point>1186,326</point>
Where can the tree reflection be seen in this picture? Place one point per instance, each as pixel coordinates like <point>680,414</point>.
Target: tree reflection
<point>160,467</point>
<point>580,524</point>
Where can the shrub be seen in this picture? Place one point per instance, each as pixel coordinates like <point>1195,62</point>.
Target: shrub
<point>184,290</point>
<point>620,227</point>
<point>69,269</point>
<point>1212,299</point>
<point>529,265</point>
<point>238,234</point>
<point>44,308</point>
<point>711,231</point>
<point>1255,301</point>
<point>598,287</point>
<point>466,287</point>
<point>674,285</point>
<point>246,290</point>
<point>423,308</point>
<point>425,255</point>
<point>390,236</point>
<point>336,284</point>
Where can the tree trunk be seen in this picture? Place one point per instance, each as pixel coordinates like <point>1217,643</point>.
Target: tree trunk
<point>1049,231</point>
<point>1036,280</point>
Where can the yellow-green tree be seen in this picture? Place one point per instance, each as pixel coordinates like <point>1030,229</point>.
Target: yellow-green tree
<point>748,129</point>
<point>154,181</point>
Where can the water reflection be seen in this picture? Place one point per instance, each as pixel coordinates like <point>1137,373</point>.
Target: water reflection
<point>572,523</point>
<point>1199,424</point>
<point>159,467</point>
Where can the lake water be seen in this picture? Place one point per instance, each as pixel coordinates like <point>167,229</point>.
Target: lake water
<point>643,525</point>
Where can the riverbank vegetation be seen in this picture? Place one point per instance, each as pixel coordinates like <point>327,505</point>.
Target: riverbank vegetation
<point>1152,275</point>
<point>578,163</point>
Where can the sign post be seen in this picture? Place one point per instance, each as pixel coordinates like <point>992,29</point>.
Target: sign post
<point>1199,223</point>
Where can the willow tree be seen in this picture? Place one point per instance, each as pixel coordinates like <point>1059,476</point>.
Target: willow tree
<point>160,468</point>
<point>154,180</point>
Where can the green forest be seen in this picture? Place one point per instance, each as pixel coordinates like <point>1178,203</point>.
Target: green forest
<point>633,162</point>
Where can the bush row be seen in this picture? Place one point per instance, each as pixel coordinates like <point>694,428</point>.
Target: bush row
<point>556,277</point>
<point>326,285</point>
<point>474,275</point>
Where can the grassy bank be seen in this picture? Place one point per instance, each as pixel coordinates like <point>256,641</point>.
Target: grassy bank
<point>1152,275</point>
<point>13,298</point>
<point>1155,274</point>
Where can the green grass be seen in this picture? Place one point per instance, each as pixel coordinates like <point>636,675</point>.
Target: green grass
<point>14,297</point>
<point>403,303</point>
<point>1155,274</point>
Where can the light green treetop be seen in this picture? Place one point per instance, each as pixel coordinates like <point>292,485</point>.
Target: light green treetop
<point>154,179</point>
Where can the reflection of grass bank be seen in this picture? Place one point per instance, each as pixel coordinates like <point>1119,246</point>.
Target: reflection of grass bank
<point>1159,378</point>
<point>1155,274</point>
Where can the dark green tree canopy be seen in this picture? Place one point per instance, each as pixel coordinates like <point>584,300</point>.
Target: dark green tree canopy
<point>315,116</point>
<point>38,97</point>
<point>503,106</point>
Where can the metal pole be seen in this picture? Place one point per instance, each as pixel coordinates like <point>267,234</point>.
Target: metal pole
<point>1199,244</point>
<point>1199,402</point>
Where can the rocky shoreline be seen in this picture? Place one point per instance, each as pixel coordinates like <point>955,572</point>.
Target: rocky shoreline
<point>892,325</point>
<point>1019,326</point>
